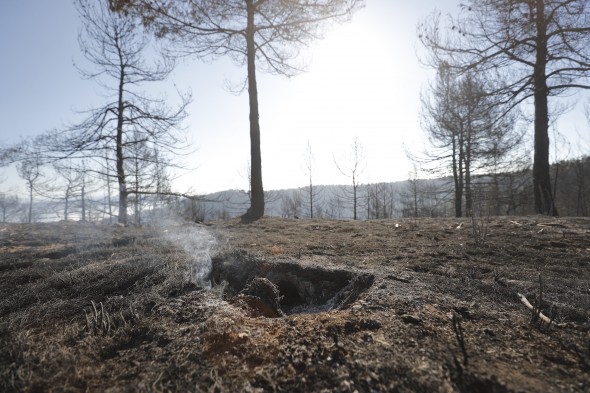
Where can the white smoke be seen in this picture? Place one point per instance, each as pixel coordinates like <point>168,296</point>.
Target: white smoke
<point>198,243</point>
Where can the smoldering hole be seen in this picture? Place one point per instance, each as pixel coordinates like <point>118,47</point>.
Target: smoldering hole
<point>252,283</point>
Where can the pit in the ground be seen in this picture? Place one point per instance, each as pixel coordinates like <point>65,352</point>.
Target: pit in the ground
<point>271,289</point>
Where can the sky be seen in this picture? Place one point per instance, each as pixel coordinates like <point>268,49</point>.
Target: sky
<point>363,81</point>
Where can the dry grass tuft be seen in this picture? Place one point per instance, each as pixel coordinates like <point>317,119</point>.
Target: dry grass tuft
<point>67,306</point>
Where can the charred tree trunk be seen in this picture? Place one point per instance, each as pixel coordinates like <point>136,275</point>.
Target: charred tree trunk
<point>256,209</point>
<point>354,197</point>
<point>66,202</point>
<point>415,189</point>
<point>457,179</point>
<point>83,191</point>
<point>310,196</point>
<point>108,181</point>
<point>30,202</point>
<point>544,203</point>
<point>120,157</point>
<point>137,200</point>
<point>467,159</point>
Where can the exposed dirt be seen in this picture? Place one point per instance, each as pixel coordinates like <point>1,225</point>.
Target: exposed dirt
<point>426,305</point>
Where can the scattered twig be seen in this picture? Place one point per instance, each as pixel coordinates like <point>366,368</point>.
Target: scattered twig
<point>541,316</point>
<point>551,224</point>
<point>458,329</point>
<point>537,309</point>
<point>544,318</point>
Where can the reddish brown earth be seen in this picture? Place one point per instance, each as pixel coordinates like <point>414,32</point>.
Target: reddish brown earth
<point>426,305</point>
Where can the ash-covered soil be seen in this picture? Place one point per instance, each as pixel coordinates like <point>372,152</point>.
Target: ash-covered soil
<point>425,305</point>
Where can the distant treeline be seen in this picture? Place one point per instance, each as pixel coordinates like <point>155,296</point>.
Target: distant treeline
<point>496,194</point>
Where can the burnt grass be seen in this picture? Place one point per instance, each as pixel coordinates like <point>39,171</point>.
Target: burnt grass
<point>401,305</point>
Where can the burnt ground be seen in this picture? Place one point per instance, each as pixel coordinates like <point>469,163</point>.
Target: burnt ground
<point>425,305</point>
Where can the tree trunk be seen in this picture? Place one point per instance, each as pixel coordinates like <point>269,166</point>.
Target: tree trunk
<point>496,184</point>
<point>256,209</point>
<point>544,203</point>
<point>354,201</point>
<point>120,167</point>
<point>457,177</point>
<point>66,202</point>
<point>30,202</point>
<point>467,158</point>
<point>136,201</point>
<point>84,201</point>
<point>108,180</point>
<point>415,198</point>
<point>310,196</point>
<point>369,203</point>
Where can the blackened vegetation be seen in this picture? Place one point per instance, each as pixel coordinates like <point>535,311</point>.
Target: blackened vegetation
<point>82,311</point>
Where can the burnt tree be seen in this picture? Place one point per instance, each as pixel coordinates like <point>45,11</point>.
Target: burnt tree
<point>114,48</point>
<point>540,47</point>
<point>264,34</point>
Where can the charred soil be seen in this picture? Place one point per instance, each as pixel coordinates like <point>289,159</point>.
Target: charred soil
<point>408,305</point>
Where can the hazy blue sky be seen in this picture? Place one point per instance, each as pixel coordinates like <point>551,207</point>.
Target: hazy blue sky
<point>363,81</point>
